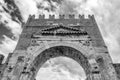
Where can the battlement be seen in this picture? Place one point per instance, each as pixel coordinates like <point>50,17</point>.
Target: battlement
<point>67,20</point>
<point>70,16</point>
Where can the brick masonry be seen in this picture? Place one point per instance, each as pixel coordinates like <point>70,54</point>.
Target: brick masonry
<point>117,69</point>
<point>76,38</point>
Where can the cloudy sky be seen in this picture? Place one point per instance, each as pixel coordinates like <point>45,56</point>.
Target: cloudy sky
<point>59,70</point>
<point>15,12</point>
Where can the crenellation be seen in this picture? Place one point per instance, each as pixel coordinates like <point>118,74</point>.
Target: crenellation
<point>42,16</point>
<point>62,16</point>
<point>51,16</point>
<point>81,16</point>
<point>91,17</point>
<point>32,17</point>
<point>71,16</point>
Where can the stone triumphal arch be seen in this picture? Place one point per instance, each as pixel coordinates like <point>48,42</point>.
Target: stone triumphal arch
<point>42,39</point>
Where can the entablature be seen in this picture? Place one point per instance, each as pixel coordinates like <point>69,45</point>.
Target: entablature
<point>65,38</point>
<point>60,30</point>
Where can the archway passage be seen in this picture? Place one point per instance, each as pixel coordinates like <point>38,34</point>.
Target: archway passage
<point>58,51</point>
<point>61,68</point>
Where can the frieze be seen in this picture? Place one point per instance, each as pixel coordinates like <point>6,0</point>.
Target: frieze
<point>84,40</point>
<point>83,43</point>
<point>44,42</point>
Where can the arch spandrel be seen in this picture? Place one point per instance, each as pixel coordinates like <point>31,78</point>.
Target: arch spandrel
<point>43,47</point>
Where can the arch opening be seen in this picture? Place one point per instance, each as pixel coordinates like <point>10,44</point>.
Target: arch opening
<point>60,51</point>
<point>61,68</point>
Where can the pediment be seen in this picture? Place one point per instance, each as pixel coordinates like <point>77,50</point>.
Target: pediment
<point>60,29</point>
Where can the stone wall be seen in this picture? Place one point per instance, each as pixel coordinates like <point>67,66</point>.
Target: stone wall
<point>28,57</point>
<point>117,69</point>
<point>1,65</point>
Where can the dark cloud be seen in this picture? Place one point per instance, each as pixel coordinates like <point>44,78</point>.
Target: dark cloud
<point>13,10</point>
<point>5,31</point>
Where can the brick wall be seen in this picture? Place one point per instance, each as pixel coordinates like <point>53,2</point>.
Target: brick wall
<point>117,69</point>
